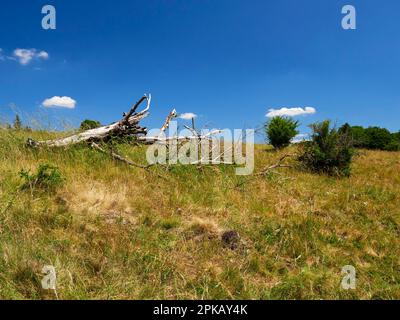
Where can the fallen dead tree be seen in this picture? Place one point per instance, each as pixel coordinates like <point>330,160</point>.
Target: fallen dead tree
<point>128,127</point>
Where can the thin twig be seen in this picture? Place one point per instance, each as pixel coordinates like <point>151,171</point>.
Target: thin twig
<point>126,161</point>
<point>276,165</point>
<point>268,169</point>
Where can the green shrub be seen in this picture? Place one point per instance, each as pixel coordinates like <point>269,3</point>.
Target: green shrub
<point>356,133</point>
<point>47,177</point>
<point>280,131</point>
<point>378,138</point>
<point>359,137</point>
<point>394,145</point>
<point>89,124</point>
<point>396,136</point>
<point>329,150</point>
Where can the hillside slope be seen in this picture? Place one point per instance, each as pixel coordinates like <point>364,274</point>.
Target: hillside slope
<point>114,232</point>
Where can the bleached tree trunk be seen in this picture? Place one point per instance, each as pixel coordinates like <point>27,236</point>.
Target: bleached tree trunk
<point>129,125</point>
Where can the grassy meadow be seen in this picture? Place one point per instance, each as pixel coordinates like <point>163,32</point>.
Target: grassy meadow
<point>117,232</point>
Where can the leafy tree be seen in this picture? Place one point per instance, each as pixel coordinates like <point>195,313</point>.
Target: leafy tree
<point>17,123</point>
<point>396,136</point>
<point>356,134</point>
<point>378,138</point>
<point>359,137</point>
<point>89,124</point>
<point>394,145</point>
<point>345,129</point>
<point>280,131</point>
<point>329,151</point>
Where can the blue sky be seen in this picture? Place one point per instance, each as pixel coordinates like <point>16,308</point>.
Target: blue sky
<point>227,61</point>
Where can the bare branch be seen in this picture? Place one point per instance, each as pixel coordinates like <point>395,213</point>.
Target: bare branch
<point>192,130</point>
<point>277,165</point>
<point>130,113</point>
<point>165,126</point>
<point>154,139</point>
<point>143,113</point>
<point>118,157</point>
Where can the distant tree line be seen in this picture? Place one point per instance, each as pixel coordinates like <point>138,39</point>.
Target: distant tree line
<point>374,138</point>
<point>281,130</point>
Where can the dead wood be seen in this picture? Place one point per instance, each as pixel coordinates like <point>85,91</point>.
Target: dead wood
<point>128,126</point>
<point>119,157</point>
<point>268,169</point>
<point>279,164</point>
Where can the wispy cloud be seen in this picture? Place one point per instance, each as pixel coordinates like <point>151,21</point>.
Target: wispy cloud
<point>188,116</point>
<point>25,56</point>
<point>2,58</point>
<point>290,112</point>
<point>61,102</point>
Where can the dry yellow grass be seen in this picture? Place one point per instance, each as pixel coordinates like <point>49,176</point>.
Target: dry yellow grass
<point>114,232</point>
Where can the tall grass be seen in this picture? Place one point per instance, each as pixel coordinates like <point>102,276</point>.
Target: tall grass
<point>115,232</point>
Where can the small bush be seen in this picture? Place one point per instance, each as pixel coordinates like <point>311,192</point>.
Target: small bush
<point>280,131</point>
<point>329,150</point>
<point>89,124</point>
<point>47,177</point>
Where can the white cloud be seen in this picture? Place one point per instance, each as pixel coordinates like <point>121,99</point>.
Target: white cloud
<point>301,137</point>
<point>25,56</point>
<point>43,55</point>
<point>188,116</point>
<point>2,58</point>
<point>290,112</point>
<point>62,102</point>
